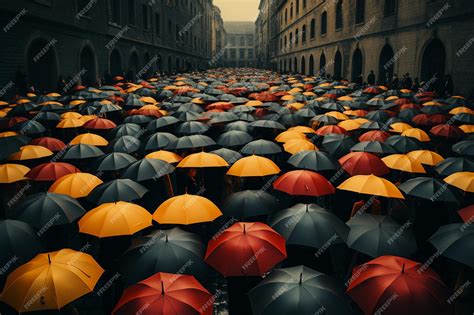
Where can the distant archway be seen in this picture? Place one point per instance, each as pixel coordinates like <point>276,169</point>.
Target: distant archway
<point>311,65</point>
<point>322,65</point>
<point>296,65</point>
<point>303,65</point>
<point>357,64</point>
<point>338,65</point>
<point>433,62</point>
<point>88,65</point>
<point>386,63</point>
<point>115,63</point>
<point>170,64</point>
<point>41,63</point>
<point>133,66</point>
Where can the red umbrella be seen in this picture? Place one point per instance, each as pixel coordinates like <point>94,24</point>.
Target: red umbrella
<point>304,183</point>
<point>410,105</point>
<point>402,101</point>
<point>219,105</point>
<point>363,163</point>
<point>146,112</point>
<point>360,112</point>
<point>398,286</point>
<point>439,118</point>
<point>467,214</point>
<point>165,293</point>
<point>331,129</point>
<point>447,131</point>
<point>373,90</point>
<point>51,171</point>
<point>422,120</point>
<point>246,249</point>
<point>53,144</point>
<point>266,97</point>
<point>374,135</point>
<point>99,123</point>
<point>14,120</point>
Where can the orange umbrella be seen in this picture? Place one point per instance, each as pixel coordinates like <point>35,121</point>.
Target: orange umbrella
<point>166,156</point>
<point>403,163</point>
<point>11,173</point>
<point>76,185</point>
<point>462,180</point>
<point>70,123</point>
<point>298,145</point>
<point>371,185</point>
<point>417,134</point>
<point>253,166</point>
<point>202,159</point>
<point>186,209</point>
<point>426,157</point>
<point>89,138</point>
<point>31,152</point>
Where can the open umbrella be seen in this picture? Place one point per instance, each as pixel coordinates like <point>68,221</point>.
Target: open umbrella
<point>313,160</point>
<point>230,156</point>
<point>246,249</point>
<point>166,156</point>
<point>337,145</point>
<point>186,209</point>
<point>253,166</point>
<point>165,293</point>
<point>371,185</point>
<point>234,138</point>
<point>461,180</point>
<point>309,225</point>
<point>454,165</point>
<point>299,290</point>
<point>426,157</point>
<point>404,163</point>
<point>114,161</point>
<point>249,203</point>
<point>376,147</point>
<point>429,189</point>
<point>467,214</point>
<point>298,145</point>
<point>76,185</point>
<point>398,285</point>
<point>159,140</point>
<point>90,139</point>
<point>52,144</point>
<point>51,171</point>
<point>51,280</point>
<point>125,144</point>
<point>115,219</point>
<point>304,183</point>
<point>11,173</point>
<point>260,147</point>
<point>363,163</point>
<point>117,190</point>
<point>202,160</point>
<point>31,152</point>
<point>190,142</point>
<point>147,169</point>
<point>455,241</point>
<point>82,151</point>
<point>464,148</point>
<point>404,144</point>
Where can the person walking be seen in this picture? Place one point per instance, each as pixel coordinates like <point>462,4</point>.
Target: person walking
<point>371,78</point>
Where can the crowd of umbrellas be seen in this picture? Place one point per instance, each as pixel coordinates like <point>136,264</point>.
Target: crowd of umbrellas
<point>237,191</point>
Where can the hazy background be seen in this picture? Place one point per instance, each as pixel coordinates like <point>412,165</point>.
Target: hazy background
<point>238,10</point>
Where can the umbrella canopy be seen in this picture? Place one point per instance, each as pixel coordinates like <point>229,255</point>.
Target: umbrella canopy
<point>31,152</point>
<point>202,160</point>
<point>115,219</point>
<point>234,138</point>
<point>454,165</point>
<point>114,161</point>
<point>455,241</point>
<point>52,144</point>
<point>186,209</point>
<point>48,209</point>
<point>464,148</point>
<point>403,163</point>
<point>429,189</point>
<point>337,145</point>
<point>147,169</point>
<point>363,163</point>
<point>164,251</point>
<point>426,157</point>
<point>61,277</point>
<point>51,171</point>
<point>387,277</point>
<point>462,180</point>
<point>82,151</point>
<point>298,145</point>
<point>260,147</point>
<point>253,166</point>
<point>371,185</point>
<point>467,214</point>
<point>376,235</point>
<point>125,144</point>
<point>249,203</point>
<point>160,140</point>
<point>313,160</point>
<point>117,190</point>
<point>309,225</point>
<point>230,156</point>
<point>166,156</point>
<point>90,139</point>
<point>190,142</point>
<point>376,147</point>
<point>304,183</point>
<point>165,293</point>
<point>11,173</point>
<point>76,185</point>
<point>404,144</point>
<point>246,249</point>
<point>299,290</point>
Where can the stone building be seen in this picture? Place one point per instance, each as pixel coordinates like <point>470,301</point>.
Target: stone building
<point>240,44</point>
<point>348,38</point>
<point>44,40</point>
<point>218,38</point>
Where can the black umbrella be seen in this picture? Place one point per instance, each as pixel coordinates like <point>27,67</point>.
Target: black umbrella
<point>82,151</point>
<point>187,116</point>
<point>261,147</point>
<point>455,241</point>
<point>242,109</point>
<point>138,119</point>
<point>428,188</point>
<point>107,108</point>
<point>128,129</point>
<point>190,142</point>
<point>224,117</point>
<point>47,116</point>
<point>230,156</point>
<point>267,124</point>
<point>117,190</point>
<point>191,128</point>
<point>19,244</point>
<point>464,148</point>
<point>373,147</point>
<point>249,203</point>
<point>29,127</point>
<point>159,140</point>
<point>48,209</point>
<point>172,251</point>
<point>237,125</point>
<point>114,161</point>
<point>325,119</point>
<point>376,235</point>
<point>290,120</point>
<point>378,115</point>
<point>234,138</point>
<point>453,165</point>
<point>147,169</point>
<point>12,145</point>
<point>313,160</point>
<point>404,144</point>
<point>464,118</point>
<point>309,225</point>
<point>248,117</point>
<point>407,115</point>
<point>299,290</point>
<point>162,122</point>
<point>337,145</point>
<point>125,144</point>
<point>372,125</point>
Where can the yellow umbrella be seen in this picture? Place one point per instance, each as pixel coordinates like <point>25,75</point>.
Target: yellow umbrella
<point>91,139</point>
<point>350,124</point>
<point>298,145</point>
<point>31,152</point>
<point>467,128</point>
<point>461,110</point>
<point>417,134</point>
<point>405,91</point>
<point>371,185</point>
<point>302,129</point>
<point>403,163</point>
<point>86,118</point>
<point>345,98</point>
<point>309,93</point>
<point>115,219</point>
<point>295,91</point>
<point>3,103</point>
<point>166,156</point>
<point>400,127</point>
<point>287,97</point>
<point>197,101</point>
<point>462,180</point>
<point>432,103</point>
<point>3,113</point>
<point>71,115</point>
<point>54,94</point>
<point>288,135</point>
<point>23,101</point>
<point>391,98</point>
<point>77,102</point>
<point>337,115</point>
<point>148,100</point>
<point>254,165</point>
<point>10,173</point>
<point>426,157</point>
<point>51,280</point>
<point>295,106</point>
<point>202,159</point>
<point>7,134</point>
<point>254,103</point>
<point>76,185</point>
<point>186,209</point>
<point>70,123</point>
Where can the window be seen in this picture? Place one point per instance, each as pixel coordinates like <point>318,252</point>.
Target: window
<point>291,40</point>
<point>146,24</point>
<point>360,11</point>
<point>303,34</point>
<point>233,53</point>
<point>297,7</point>
<point>286,16</point>
<point>286,41</point>
<point>312,29</point>
<point>242,41</point>
<point>291,11</point>
<point>131,12</point>
<point>250,53</point>
<point>115,11</point>
<point>232,41</point>
<point>324,23</point>
<point>390,7</point>
<point>339,15</point>
<point>242,53</point>
<point>297,35</point>
<point>157,24</point>
<point>304,4</point>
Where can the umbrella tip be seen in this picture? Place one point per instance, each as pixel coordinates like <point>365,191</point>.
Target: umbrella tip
<point>244,229</point>
<point>49,259</point>
<point>301,278</point>
<point>307,207</point>
<point>162,288</point>
<point>166,238</point>
<point>403,268</point>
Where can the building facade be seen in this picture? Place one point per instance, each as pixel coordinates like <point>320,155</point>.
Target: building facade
<point>218,39</point>
<point>350,38</point>
<point>240,44</point>
<point>90,39</point>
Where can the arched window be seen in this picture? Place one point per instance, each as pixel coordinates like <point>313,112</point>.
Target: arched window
<point>312,29</point>
<point>311,65</point>
<point>297,36</point>
<point>322,65</point>
<point>286,16</point>
<point>291,10</point>
<point>303,65</point>
<point>338,66</point>
<point>291,40</point>
<point>390,7</point>
<point>339,15</point>
<point>324,23</point>
<point>304,4</point>
<point>303,34</point>
<point>360,11</point>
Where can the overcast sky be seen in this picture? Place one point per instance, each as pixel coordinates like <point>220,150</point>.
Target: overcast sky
<point>238,10</point>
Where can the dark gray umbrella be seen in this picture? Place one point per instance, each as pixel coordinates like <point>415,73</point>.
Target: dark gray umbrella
<point>190,142</point>
<point>237,125</point>
<point>191,128</point>
<point>128,129</point>
<point>147,169</point>
<point>267,124</point>
<point>230,156</point>
<point>428,188</point>
<point>373,147</point>
<point>313,160</point>
<point>234,138</point>
<point>464,148</point>
<point>404,144</point>
<point>453,165</point>
<point>249,203</point>
<point>159,140</point>
<point>82,151</point>
<point>455,241</point>
<point>337,145</point>
<point>162,122</point>
<point>125,144</point>
<point>117,190</point>
<point>114,161</point>
<point>261,147</point>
